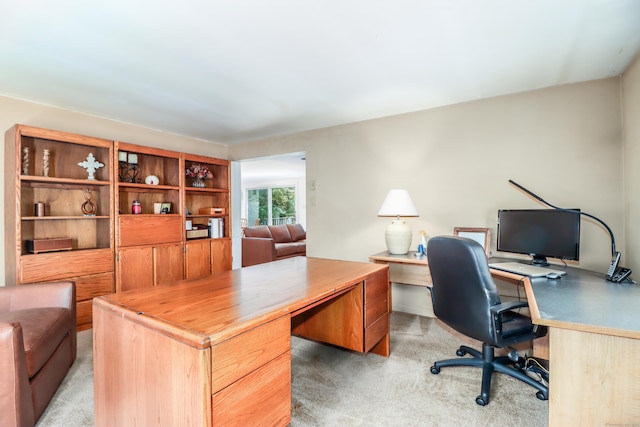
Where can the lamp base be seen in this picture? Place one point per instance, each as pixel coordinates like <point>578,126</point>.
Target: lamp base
<point>398,237</point>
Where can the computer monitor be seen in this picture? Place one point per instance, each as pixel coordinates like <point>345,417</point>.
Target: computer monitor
<point>541,233</point>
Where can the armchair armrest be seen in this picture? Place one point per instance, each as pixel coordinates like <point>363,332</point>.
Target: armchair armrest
<point>257,250</point>
<point>51,294</point>
<point>15,392</point>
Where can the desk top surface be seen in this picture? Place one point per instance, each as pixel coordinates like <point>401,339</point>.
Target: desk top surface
<point>408,258</point>
<point>213,308</point>
<point>584,300</point>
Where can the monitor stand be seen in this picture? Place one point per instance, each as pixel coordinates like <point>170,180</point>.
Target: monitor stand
<point>540,261</point>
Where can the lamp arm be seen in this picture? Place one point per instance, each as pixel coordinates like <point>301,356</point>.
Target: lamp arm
<point>535,196</point>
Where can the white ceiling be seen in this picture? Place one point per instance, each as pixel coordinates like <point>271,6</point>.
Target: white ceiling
<point>233,71</point>
<point>264,169</point>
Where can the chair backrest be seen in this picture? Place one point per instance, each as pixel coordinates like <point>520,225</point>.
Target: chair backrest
<point>463,289</point>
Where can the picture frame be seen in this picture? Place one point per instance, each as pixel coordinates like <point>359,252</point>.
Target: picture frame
<point>480,235</point>
<point>165,208</point>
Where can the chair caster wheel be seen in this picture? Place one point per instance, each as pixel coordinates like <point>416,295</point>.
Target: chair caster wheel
<point>435,370</point>
<point>480,401</point>
<point>540,395</point>
<point>460,352</point>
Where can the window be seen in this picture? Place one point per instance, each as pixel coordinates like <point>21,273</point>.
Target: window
<point>271,206</point>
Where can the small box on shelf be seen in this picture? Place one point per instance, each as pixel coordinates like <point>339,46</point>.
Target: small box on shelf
<point>211,211</point>
<point>197,233</point>
<point>37,246</point>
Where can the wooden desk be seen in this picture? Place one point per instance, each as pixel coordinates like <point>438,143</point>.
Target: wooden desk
<point>216,350</point>
<point>408,269</point>
<point>594,344</point>
<point>411,282</point>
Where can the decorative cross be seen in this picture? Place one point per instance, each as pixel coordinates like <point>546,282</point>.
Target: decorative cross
<point>91,164</point>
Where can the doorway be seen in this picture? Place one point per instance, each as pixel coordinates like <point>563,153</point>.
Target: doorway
<point>274,190</point>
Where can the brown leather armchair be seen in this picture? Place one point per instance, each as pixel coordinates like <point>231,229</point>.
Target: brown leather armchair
<point>37,347</point>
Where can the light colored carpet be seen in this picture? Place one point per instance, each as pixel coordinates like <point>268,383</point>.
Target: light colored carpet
<point>332,387</point>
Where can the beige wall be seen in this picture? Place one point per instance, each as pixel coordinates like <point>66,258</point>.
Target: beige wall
<point>563,143</point>
<point>631,137</point>
<point>14,111</point>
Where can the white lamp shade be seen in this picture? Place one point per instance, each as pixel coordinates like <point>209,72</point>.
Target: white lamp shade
<point>398,234</point>
<point>398,203</point>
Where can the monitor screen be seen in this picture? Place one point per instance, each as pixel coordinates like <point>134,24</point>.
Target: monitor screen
<point>540,233</point>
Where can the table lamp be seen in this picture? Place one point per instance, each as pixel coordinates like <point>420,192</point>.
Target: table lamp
<point>398,204</point>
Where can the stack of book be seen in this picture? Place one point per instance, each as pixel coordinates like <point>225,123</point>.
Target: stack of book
<point>216,228</point>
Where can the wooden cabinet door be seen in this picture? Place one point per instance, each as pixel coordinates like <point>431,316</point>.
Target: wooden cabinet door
<point>220,255</point>
<point>197,259</point>
<point>135,268</point>
<point>169,264</point>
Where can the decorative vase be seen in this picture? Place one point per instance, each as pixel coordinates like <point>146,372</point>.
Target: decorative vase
<point>25,161</point>
<point>198,183</point>
<point>45,162</point>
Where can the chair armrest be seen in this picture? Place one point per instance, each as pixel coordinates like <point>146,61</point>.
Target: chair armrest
<point>53,294</point>
<point>497,312</point>
<point>257,250</point>
<point>15,392</point>
<point>508,306</point>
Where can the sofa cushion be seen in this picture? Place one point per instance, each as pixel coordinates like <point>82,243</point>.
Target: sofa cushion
<point>280,233</point>
<point>301,247</point>
<point>297,232</point>
<point>286,249</point>
<point>258,231</point>
<point>43,330</point>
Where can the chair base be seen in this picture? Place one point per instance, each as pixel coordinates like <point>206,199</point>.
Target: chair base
<point>489,363</point>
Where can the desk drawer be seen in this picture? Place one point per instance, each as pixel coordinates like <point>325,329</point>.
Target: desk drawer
<point>376,297</point>
<point>263,397</point>
<point>242,354</point>
<point>410,274</point>
<point>376,332</point>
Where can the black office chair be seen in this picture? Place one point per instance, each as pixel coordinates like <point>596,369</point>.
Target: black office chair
<point>465,297</point>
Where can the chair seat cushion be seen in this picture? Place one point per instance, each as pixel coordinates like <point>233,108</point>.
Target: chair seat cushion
<point>43,329</point>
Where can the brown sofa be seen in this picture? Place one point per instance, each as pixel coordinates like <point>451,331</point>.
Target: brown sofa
<point>37,347</point>
<point>266,243</point>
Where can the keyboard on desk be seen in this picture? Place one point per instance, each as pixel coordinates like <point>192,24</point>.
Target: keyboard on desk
<point>525,269</point>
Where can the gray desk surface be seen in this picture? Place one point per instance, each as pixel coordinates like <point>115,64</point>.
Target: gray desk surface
<point>585,300</point>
